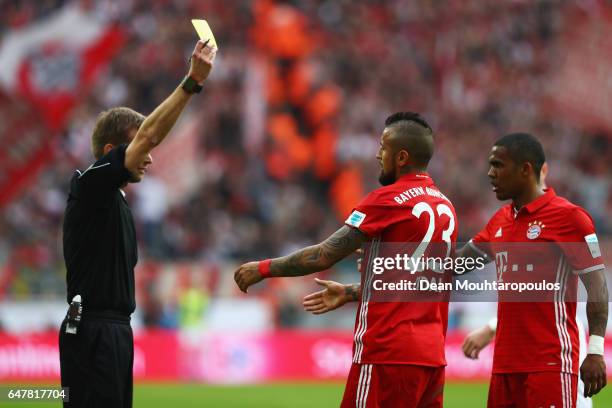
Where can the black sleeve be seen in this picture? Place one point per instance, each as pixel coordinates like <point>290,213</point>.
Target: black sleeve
<point>104,176</point>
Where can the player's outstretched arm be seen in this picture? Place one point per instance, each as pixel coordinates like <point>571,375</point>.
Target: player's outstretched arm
<point>332,297</point>
<point>477,340</point>
<point>593,368</point>
<point>304,261</point>
<point>157,125</point>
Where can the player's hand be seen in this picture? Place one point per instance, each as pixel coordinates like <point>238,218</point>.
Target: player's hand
<point>247,275</point>
<point>476,340</point>
<point>593,374</point>
<point>359,253</point>
<point>332,297</point>
<point>201,62</point>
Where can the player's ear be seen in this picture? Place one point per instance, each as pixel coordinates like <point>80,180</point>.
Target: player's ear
<point>402,158</point>
<point>543,174</point>
<point>527,169</point>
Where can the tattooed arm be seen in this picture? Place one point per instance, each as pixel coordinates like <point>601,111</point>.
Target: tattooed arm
<point>597,302</point>
<point>353,292</point>
<point>319,257</point>
<point>307,260</point>
<point>593,369</point>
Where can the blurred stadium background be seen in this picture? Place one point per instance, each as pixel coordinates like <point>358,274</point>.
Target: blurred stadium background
<point>271,157</point>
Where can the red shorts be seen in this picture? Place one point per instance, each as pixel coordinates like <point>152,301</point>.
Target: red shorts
<point>393,385</point>
<point>541,389</point>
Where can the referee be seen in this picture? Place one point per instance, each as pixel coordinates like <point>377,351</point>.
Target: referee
<point>97,350</point>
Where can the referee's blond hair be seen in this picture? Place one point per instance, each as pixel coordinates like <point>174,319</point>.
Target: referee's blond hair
<point>113,126</point>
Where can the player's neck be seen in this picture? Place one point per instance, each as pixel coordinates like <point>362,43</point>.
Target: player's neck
<point>410,170</point>
<point>527,196</point>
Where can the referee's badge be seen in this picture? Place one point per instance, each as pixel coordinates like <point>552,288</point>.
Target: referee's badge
<point>535,229</point>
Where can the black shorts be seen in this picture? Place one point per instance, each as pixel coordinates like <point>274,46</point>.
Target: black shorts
<point>96,363</point>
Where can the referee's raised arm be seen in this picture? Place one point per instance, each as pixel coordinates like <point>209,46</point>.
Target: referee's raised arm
<point>157,125</point>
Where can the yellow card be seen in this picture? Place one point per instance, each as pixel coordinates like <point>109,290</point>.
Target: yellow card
<point>204,31</point>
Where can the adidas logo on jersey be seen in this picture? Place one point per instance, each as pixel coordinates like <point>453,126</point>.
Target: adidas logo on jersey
<point>498,233</point>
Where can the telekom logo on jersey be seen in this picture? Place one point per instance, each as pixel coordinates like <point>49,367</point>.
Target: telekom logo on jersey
<point>501,264</point>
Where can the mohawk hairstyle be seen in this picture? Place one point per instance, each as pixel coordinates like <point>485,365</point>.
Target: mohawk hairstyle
<point>413,134</point>
<point>409,116</point>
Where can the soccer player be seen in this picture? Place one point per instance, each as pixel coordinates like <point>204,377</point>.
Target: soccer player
<point>479,338</point>
<point>96,356</point>
<point>398,351</point>
<point>535,361</point>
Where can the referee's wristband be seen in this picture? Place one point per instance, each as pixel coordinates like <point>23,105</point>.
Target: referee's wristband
<point>264,268</point>
<point>596,345</point>
<point>190,85</point>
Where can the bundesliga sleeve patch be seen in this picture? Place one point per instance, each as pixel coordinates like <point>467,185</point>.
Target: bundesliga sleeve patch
<point>355,219</point>
<point>593,244</point>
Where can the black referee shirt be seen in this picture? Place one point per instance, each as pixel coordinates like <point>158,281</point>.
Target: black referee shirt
<point>99,237</point>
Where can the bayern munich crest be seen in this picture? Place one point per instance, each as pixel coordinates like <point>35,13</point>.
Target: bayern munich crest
<point>535,229</point>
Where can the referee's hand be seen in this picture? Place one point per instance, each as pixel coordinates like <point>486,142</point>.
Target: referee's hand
<point>202,59</point>
<point>247,275</point>
<point>593,374</point>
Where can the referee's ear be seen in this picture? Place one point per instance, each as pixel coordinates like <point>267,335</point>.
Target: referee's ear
<point>107,148</point>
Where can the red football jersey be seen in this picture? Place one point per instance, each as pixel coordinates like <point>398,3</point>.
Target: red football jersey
<point>412,210</point>
<point>540,336</point>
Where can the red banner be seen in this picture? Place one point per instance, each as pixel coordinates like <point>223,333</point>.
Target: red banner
<point>228,357</point>
<point>35,357</point>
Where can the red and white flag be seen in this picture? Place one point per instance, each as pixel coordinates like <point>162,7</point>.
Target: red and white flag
<point>46,69</point>
<point>52,62</point>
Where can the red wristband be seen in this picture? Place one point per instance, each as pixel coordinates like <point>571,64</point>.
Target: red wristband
<point>264,268</point>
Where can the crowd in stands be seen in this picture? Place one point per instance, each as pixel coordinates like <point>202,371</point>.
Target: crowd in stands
<point>291,119</point>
